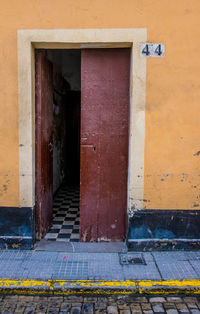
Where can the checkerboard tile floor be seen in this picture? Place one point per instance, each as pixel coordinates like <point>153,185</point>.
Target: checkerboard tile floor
<point>66,215</point>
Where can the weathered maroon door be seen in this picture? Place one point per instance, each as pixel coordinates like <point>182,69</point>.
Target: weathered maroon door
<point>104,143</point>
<point>44,145</point>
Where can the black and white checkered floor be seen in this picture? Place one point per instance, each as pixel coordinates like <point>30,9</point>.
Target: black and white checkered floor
<point>66,215</point>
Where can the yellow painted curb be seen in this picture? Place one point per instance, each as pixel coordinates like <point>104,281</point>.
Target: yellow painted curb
<point>67,287</point>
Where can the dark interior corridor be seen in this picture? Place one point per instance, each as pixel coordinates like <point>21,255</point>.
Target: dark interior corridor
<point>66,144</point>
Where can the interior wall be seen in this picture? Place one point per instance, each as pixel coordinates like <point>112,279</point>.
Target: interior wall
<point>59,128</point>
<point>66,80</point>
<point>68,62</point>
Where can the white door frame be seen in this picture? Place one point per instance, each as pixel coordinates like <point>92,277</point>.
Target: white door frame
<point>28,40</point>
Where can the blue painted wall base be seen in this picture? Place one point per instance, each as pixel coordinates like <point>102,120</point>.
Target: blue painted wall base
<point>17,227</point>
<point>164,230</point>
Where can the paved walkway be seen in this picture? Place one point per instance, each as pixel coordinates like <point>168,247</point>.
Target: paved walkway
<point>98,266</point>
<point>65,270</point>
<point>89,305</point>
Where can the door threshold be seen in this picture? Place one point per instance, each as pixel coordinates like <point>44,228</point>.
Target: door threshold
<point>80,247</point>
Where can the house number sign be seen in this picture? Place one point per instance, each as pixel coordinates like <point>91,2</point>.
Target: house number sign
<point>152,50</point>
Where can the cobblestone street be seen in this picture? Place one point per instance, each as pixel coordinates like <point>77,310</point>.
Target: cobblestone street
<point>100,304</point>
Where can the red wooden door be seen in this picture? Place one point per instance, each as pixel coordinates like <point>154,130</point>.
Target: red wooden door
<point>104,143</point>
<point>44,145</point>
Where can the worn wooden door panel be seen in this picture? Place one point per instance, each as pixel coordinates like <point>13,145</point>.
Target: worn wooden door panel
<point>44,145</point>
<point>104,143</point>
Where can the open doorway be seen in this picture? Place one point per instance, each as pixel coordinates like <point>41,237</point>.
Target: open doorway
<point>82,122</point>
<point>65,144</point>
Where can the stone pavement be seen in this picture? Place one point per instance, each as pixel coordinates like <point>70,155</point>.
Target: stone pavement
<point>18,265</point>
<point>101,304</point>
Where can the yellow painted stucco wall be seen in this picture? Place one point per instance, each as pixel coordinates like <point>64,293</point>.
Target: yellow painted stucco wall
<point>172,167</point>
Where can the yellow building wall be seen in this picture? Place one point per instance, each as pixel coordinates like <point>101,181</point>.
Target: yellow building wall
<point>172,140</point>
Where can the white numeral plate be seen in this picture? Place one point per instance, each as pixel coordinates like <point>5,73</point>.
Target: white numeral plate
<point>152,50</point>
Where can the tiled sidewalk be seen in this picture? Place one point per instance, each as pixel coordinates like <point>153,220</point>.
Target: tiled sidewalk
<point>97,266</point>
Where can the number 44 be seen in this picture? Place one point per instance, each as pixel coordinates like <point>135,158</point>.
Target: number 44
<point>152,50</point>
